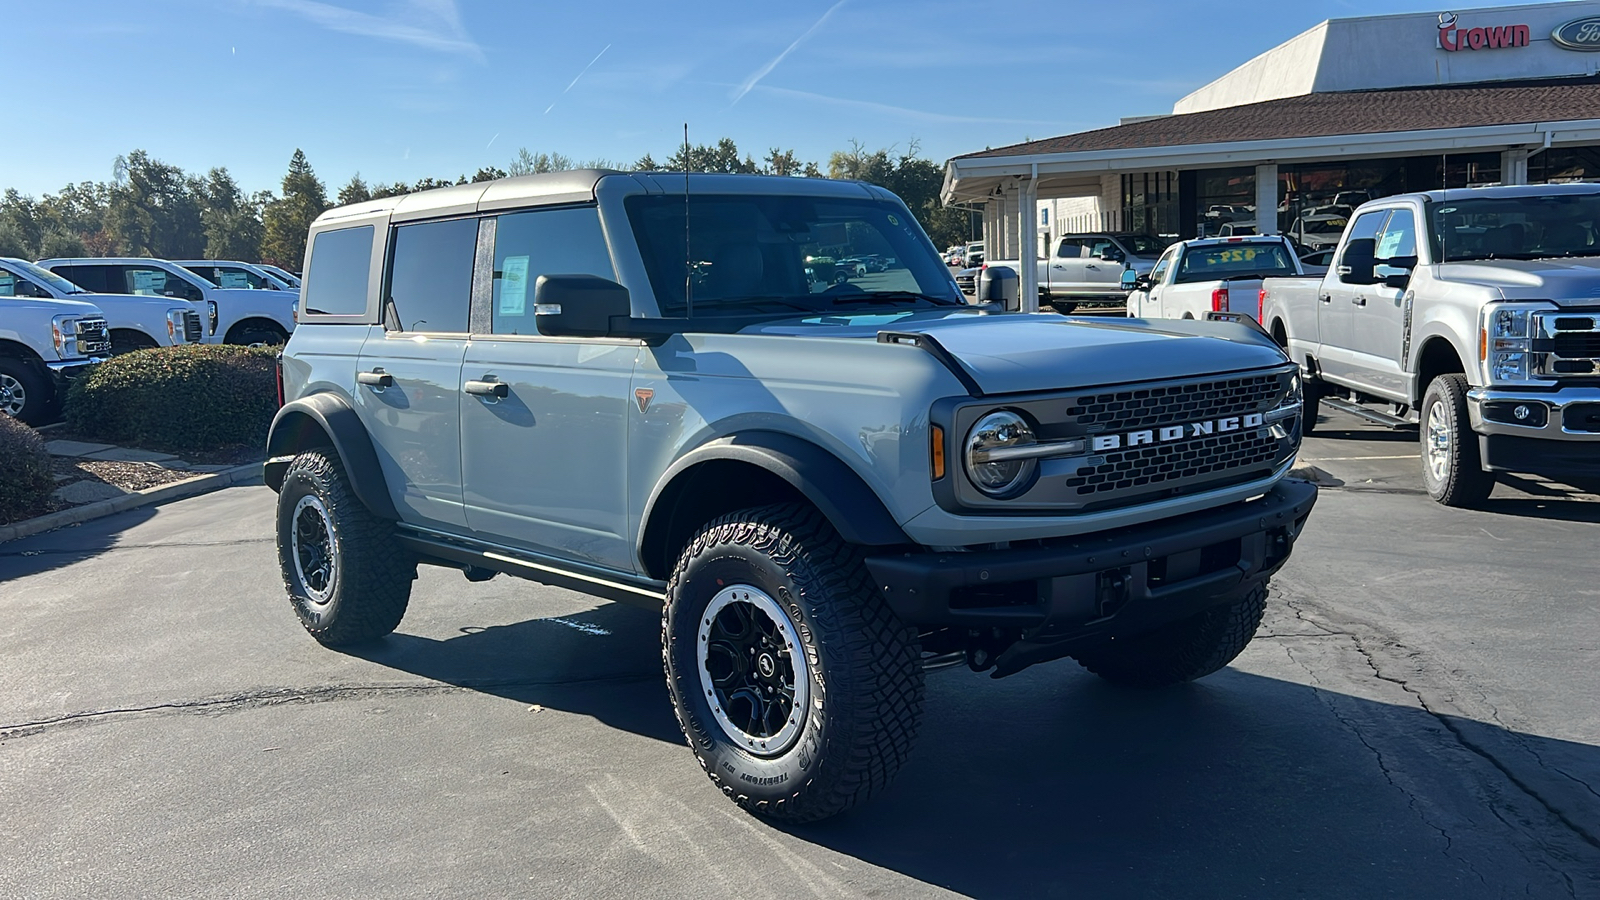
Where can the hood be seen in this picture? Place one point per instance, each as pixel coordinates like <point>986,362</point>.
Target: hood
<point>49,307</point>
<point>1006,354</point>
<point>1564,282</point>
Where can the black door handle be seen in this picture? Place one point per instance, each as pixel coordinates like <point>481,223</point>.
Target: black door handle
<point>377,378</point>
<point>496,389</point>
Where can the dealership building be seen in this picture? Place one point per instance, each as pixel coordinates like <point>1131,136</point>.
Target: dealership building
<point>1350,110</point>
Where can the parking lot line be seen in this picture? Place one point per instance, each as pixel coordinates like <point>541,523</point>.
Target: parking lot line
<point>1351,458</point>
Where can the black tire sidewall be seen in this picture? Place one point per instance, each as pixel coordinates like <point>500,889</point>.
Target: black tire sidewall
<point>738,772</point>
<point>299,482</point>
<point>1464,481</point>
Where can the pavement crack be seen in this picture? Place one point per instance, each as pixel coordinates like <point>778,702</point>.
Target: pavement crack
<point>249,700</point>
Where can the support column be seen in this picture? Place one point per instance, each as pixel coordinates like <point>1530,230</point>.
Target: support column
<point>1028,243</point>
<point>1267,199</point>
<point>1514,166</point>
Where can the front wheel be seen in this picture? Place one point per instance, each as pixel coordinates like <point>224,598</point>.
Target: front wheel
<point>798,689</point>
<point>1452,470</point>
<point>1182,651</point>
<point>25,393</point>
<point>348,579</point>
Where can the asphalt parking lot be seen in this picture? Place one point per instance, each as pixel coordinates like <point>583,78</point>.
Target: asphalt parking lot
<point>1418,717</point>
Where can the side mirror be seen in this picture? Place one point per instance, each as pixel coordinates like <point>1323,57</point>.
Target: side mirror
<point>579,305</point>
<point>998,284</point>
<point>1356,263</point>
<point>1398,274</point>
<point>1130,280</point>
<point>1111,254</point>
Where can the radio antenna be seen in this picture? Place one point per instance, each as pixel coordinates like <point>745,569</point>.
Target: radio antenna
<point>1444,203</point>
<point>688,254</point>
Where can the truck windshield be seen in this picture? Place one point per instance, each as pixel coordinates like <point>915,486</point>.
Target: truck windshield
<point>738,255</point>
<point>1235,261</point>
<point>1515,227</point>
<point>1142,244</point>
<point>45,277</point>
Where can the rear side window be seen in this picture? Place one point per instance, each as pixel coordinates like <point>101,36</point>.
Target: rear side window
<point>430,277</point>
<point>542,242</point>
<point>336,280</point>
<point>95,279</point>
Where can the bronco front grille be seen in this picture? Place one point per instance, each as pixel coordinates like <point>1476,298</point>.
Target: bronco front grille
<point>1126,410</point>
<point>1155,465</point>
<point>191,327</point>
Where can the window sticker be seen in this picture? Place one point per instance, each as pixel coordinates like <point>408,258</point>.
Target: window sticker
<point>233,280</point>
<point>1389,245</point>
<point>148,283</point>
<point>8,285</point>
<point>514,286</point>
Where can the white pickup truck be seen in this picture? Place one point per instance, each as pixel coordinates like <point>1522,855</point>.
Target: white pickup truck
<point>238,315</point>
<point>1473,313</point>
<point>43,343</point>
<point>1088,267</point>
<point>1209,275</point>
<point>136,321</point>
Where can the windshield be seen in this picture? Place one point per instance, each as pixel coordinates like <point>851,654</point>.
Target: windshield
<point>45,277</point>
<point>288,278</point>
<point>1237,261</point>
<point>1515,227</point>
<point>755,254</point>
<point>1142,244</point>
<point>1325,226</point>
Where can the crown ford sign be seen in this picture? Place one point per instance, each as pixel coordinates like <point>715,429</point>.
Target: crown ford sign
<point>1498,37</point>
<point>1579,34</point>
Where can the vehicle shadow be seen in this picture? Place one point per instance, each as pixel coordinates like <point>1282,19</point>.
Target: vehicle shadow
<point>570,663</point>
<point>1235,786</point>
<point>63,547</point>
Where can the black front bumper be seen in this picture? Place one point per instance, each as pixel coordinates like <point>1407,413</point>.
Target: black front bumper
<point>1114,583</point>
<point>1537,456</point>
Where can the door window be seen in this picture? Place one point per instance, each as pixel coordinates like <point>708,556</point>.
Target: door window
<point>542,242</point>
<point>149,281</point>
<point>94,279</point>
<point>430,277</point>
<point>336,278</point>
<point>1399,236</point>
<point>1360,247</point>
<point>1162,265</point>
<point>1071,248</point>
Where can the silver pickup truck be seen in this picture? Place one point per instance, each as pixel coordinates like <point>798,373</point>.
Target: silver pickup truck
<point>1474,313</point>
<point>646,388</point>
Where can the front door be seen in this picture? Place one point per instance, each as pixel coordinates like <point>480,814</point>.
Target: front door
<point>409,380</point>
<point>1066,267</point>
<point>1337,300</point>
<point>1102,276</point>
<point>1378,313</point>
<point>544,430</point>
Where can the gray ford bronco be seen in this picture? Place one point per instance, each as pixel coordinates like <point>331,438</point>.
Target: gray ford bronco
<point>665,390</point>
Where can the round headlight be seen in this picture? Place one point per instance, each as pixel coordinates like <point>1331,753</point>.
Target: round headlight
<point>992,469</point>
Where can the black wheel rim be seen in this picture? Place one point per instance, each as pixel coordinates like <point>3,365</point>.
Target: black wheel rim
<point>313,549</point>
<point>752,671</point>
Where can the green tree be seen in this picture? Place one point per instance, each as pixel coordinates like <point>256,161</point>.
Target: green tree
<point>154,209</point>
<point>528,163</point>
<point>232,220</point>
<point>354,191</point>
<point>19,225</point>
<point>721,157</point>
<point>914,179</point>
<point>488,173</point>
<point>287,219</point>
<point>646,163</point>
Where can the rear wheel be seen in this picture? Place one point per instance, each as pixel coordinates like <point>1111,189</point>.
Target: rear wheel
<point>257,332</point>
<point>127,341</point>
<point>1452,469</point>
<point>348,579</point>
<point>25,392</point>
<point>1182,651</point>
<point>799,690</point>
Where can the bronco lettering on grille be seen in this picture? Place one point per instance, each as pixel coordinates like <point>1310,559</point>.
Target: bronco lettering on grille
<point>1176,432</point>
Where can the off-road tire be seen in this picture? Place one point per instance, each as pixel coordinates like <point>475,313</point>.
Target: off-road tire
<point>38,397</point>
<point>1182,651</point>
<point>371,572</point>
<point>1462,483</point>
<point>865,674</point>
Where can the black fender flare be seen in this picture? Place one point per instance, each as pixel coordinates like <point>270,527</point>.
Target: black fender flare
<point>322,420</point>
<point>833,487</point>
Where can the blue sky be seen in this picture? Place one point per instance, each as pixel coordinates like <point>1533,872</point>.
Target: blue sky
<point>402,89</point>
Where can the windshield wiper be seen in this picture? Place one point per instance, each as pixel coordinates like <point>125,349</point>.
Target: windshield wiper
<point>893,297</point>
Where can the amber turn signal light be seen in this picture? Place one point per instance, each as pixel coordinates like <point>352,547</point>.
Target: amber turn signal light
<point>938,452</point>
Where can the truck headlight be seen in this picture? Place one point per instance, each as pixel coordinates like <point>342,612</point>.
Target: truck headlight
<point>176,333</point>
<point>1505,341</point>
<point>64,332</point>
<point>990,467</point>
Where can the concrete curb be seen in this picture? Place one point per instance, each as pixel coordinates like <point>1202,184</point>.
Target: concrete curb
<point>177,490</point>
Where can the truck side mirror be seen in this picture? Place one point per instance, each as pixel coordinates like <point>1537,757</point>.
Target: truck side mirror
<point>1130,280</point>
<point>579,305</point>
<point>1399,271</point>
<point>1356,263</point>
<point>1111,254</point>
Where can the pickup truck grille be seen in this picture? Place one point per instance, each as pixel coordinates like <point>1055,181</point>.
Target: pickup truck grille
<point>1150,466</point>
<point>1566,344</point>
<point>1165,405</point>
<point>94,338</point>
<point>192,328</point>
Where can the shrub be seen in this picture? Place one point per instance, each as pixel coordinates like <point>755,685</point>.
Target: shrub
<point>195,397</point>
<point>25,482</point>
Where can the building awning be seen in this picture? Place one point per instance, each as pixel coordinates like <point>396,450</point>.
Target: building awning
<point>1395,122</point>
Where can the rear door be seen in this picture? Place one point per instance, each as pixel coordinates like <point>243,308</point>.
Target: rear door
<point>544,463</point>
<point>408,391</point>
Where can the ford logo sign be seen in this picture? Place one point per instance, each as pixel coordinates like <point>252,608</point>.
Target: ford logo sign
<point>1579,34</point>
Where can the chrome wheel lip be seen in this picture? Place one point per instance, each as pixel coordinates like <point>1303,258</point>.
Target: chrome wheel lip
<point>1436,444</point>
<point>13,396</point>
<point>313,563</point>
<point>778,743</point>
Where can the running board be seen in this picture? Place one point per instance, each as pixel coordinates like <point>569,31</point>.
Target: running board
<point>463,552</point>
<point>1371,415</point>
